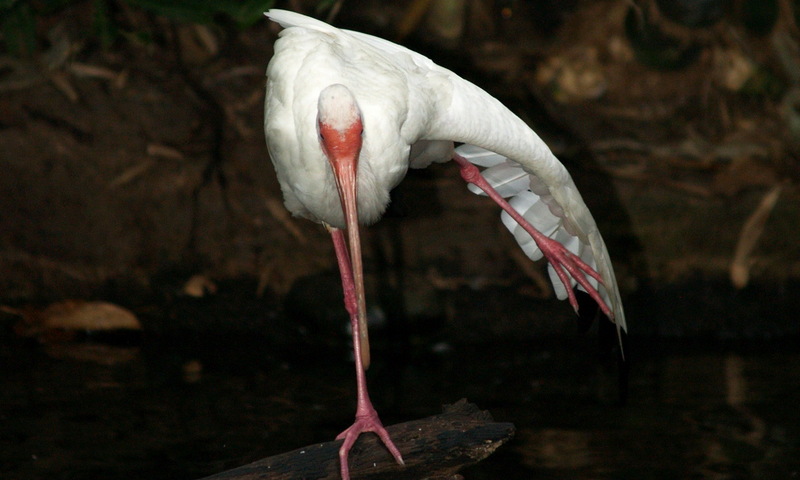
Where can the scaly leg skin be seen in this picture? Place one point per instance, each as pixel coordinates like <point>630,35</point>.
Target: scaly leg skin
<point>562,260</point>
<point>366,417</point>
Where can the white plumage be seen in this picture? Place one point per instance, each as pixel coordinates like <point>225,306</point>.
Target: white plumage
<point>398,110</point>
<point>406,99</point>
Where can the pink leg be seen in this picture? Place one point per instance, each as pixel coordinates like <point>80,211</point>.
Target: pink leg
<point>366,417</point>
<point>560,258</point>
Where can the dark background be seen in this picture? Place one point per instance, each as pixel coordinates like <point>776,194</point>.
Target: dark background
<point>133,171</point>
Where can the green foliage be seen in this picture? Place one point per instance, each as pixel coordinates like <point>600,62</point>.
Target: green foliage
<point>655,48</point>
<point>324,6</point>
<point>759,16</point>
<point>243,12</point>
<point>102,26</point>
<point>18,18</point>
<point>18,26</point>
<point>764,84</point>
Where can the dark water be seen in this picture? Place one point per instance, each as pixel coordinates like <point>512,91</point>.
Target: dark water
<point>169,413</point>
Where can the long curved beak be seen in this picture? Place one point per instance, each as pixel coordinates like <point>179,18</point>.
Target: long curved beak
<point>343,147</point>
<point>345,172</point>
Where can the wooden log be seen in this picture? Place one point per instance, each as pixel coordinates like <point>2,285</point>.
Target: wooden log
<point>436,447</point>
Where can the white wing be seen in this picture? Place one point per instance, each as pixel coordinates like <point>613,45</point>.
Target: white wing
<point>537,184</point>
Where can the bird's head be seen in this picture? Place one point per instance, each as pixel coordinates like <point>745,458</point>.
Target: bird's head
<point>339,125</point>
<point>340,128</point>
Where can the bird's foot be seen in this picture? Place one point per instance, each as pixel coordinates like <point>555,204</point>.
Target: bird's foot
<point>368,422</point>
<point>566,264</point>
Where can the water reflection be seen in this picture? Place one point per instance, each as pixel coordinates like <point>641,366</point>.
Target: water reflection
<point>715,416</point>
<point>691,414</point>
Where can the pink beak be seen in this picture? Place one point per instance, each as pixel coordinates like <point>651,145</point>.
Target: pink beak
<point>342,146</point>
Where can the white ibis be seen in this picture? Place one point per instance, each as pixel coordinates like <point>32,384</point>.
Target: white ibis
<point>347,114</point>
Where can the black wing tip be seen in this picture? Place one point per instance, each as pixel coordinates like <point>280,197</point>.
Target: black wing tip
<point>614,352</point>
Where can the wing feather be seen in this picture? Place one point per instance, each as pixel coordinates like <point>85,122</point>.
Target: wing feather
<point>532,198</point>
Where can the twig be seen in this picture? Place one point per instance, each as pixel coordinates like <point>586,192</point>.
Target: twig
<point>117,79</point>
<point>751,232</point>
<point>60,80</point>
<point>159,150</point>
<point>334,11</point>
<point>131,174</point>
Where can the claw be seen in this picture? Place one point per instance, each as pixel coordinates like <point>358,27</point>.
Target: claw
<point>365,423</point>
<point>562,259</point>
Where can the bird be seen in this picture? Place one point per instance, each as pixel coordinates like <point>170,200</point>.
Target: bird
<point>347,114</point>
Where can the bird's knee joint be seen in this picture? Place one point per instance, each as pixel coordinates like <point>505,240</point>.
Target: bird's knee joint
<point>469,172</point>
